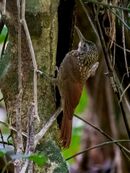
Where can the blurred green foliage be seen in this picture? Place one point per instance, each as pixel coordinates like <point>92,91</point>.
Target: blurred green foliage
<point>83,102</point>
<point>2,152</point>
<point>3,34</point>
<point>39,158</point>
<point>75,144</point>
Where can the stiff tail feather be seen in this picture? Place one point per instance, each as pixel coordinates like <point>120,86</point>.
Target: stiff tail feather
<point>70,101</point>
<point>66,130</point>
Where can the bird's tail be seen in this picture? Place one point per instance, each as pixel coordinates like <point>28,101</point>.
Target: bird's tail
<point>66,130</point>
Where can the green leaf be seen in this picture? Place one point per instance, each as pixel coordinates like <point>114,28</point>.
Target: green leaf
<point>38,158</point>
<point>2,152</point>
<point>3,34</point>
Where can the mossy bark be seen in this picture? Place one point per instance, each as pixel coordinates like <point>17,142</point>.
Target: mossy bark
<point>42,21</point>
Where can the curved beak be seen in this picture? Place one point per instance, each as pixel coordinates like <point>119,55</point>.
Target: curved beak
<point>81,37</point>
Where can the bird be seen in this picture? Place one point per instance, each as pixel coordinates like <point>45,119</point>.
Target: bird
<point>77,66</point>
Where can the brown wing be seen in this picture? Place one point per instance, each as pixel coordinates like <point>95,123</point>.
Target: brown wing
<point>72,94</point>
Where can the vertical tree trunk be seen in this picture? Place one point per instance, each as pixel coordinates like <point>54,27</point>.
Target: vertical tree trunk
<point>42,21</point>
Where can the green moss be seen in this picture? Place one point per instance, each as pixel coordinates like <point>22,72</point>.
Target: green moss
<point>33,6</point>
<point>57,162</point>
<point>34,20</point>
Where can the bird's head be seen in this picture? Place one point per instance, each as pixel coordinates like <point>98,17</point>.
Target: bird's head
<point>84,45</point>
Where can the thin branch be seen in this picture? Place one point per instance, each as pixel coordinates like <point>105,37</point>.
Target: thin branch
<point>1,99</point>
<point>107,5</point>
<point>124,77</point>
<point>96,146</point>
<point>19,146</point>
<point>12,128</point>
<point>23,9</point>
<point>4,7</point>
<point>33,111</point>
<point>124,46</point>
<point>114,56</point>
<point>127,50</point>
<point>112,75</point>
<point>120,19</point>
<point>5,124</point>
<point>5,167</point>
<point>2,138</point>
<point>5,143</point>
<point>123,149</point>
<point>128,86</point>
<point>52,80</point>
<point>24,167</point>
<point>46,127</point>
<point>33,61</point>
<point>30,128</point>
<point>27,166</point>
<point>124,118</point>
<point>19,137</point>
<point>29,43</point>
<point>30,166</point>
<point>89,18</point>
<point>107,59</point>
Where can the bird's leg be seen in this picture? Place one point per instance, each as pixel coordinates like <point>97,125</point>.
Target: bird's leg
<point>56,69</point>
<point>53,80</point>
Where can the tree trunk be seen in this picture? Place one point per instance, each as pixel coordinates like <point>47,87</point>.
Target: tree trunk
<point>42,21</point>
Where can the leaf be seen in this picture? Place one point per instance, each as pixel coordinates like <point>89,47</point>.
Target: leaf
<point>39,159</point>
<point>3,34</point>
<point>2,152</point>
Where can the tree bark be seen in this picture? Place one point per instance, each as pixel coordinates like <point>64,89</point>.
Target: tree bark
<point>42,21</point>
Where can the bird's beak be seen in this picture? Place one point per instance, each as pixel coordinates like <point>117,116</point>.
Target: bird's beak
<point>81,37</point>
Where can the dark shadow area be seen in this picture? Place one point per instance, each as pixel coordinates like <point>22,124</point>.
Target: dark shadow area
<point>65,29</point>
